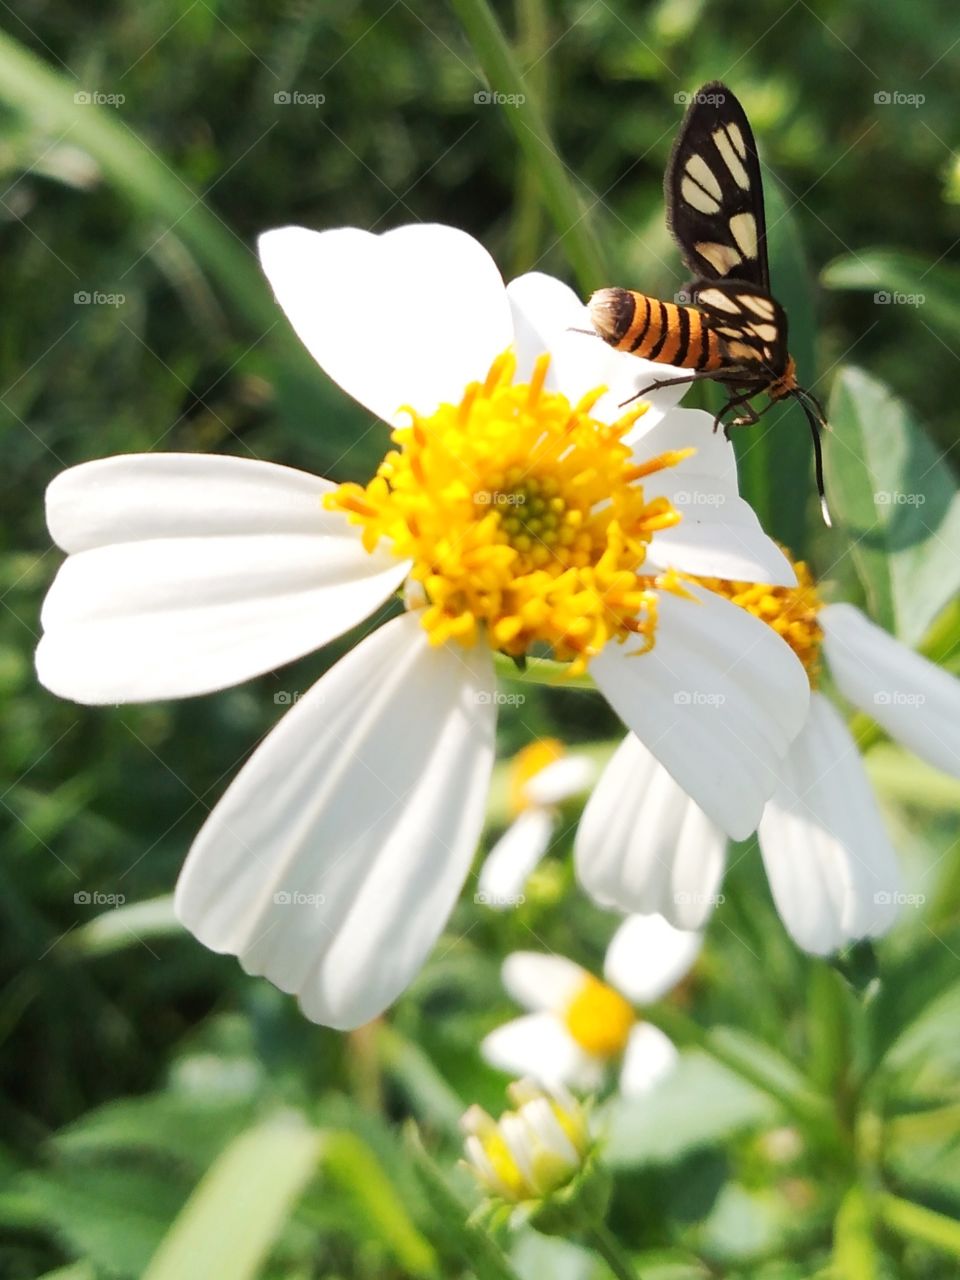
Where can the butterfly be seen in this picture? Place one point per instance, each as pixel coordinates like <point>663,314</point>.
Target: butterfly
<point>726,324</point>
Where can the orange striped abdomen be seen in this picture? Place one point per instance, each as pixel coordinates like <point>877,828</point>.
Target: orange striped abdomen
<point>655,330</point>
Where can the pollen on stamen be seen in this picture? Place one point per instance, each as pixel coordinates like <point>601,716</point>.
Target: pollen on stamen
<point>524,517</point>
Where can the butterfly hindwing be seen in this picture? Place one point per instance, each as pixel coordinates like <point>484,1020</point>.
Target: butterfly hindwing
<point>714,192</point>
<point>751,324</point>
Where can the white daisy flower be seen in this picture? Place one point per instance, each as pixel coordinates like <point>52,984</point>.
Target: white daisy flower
<point>531,1152</point>
<point>522,509</point>
<point>541,777</point>
<point>644,845</point>
<point>578,1028</point>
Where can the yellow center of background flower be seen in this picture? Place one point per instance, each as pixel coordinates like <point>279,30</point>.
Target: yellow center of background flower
<point>523,515</point>
<point>599,1019</point>
<point>526,764</point>
<point>791,611</point>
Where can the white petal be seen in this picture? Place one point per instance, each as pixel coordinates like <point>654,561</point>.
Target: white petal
<point>409,317</point>
<point>539,1046</point>
<point>547,316</point>
<point>917,702</point>
<point>717,701</point>
<point>643,845</point>
<point>649,1058</point>
<point>719,535</point>
<point>136,497</point>
<point>333,860</point>
<point>832,870</point>
<point>558,781</point>
<point>511,860</point>
<point>647,957</point>
<point>194,572</point>
<point>539,981</point>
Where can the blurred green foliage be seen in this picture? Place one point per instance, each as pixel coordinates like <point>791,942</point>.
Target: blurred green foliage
<point>138,1070</point>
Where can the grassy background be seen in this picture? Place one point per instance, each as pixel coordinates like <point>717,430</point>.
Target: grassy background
<point>132,1058</point>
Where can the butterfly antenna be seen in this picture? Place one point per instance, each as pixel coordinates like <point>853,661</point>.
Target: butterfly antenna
<point>811,408</point>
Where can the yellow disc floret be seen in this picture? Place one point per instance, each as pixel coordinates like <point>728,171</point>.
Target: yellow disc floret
<point>522,515</point>
<point>599,1019</point>
<point>791,611</point>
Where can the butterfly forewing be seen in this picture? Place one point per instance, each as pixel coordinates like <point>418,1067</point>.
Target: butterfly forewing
<point>715,194</point>
<point>752,325</point>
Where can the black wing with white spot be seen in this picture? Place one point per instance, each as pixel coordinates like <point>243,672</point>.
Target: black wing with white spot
<point>714,191</point>
<point>752,325</point>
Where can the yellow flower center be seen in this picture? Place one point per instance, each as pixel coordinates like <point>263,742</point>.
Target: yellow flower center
<point>791,611</point>
<point>522,515</point>
<point>526,764</point>
<point>599,1019</point>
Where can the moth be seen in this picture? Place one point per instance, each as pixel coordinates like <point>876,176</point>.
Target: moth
<point>726,326</point>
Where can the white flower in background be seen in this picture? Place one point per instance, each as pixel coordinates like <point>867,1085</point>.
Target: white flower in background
<point>644,845</point>
<point>520,506</point>
<point>578,1028</point>
<point>542,776</point>
<point>531,1152</point>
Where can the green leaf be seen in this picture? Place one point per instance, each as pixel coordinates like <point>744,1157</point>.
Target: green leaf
<point>700,1104</point>
<point>893,271</point>
<point>231,1221</point>
<point>916,1222</point>
<point>133,924</point>
<point>352,1164</point>
<point>897,500</point>
<point>854,1250</point>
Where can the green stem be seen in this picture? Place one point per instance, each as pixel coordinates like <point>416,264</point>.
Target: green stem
<point>523,113</point>
<point>916,1222</point>
<point>541,671</point>
<point>532,37</point>
<point>603,1241</point>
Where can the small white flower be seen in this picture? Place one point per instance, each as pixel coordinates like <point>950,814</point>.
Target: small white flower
<point>518,506</point>
<point>541,777</point>
<point>532,1152</point>
<point>644,845</point>
<point>578,1027</point>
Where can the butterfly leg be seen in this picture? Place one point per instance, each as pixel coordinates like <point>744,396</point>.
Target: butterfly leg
<point>750,415</point>
<point>698,376</point>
